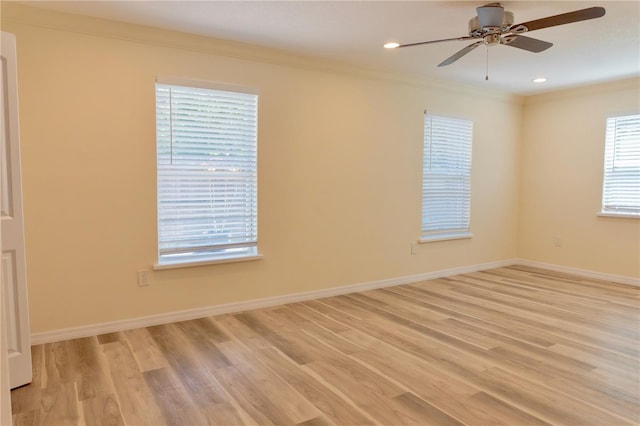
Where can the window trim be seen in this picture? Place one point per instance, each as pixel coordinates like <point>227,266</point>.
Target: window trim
<point>235,259</point>
<point>445,237</point>
<point>625,214</point>
<point>446,234</point>
<point>205,84</point>
<point>618,215</point>
<point>212,259</point>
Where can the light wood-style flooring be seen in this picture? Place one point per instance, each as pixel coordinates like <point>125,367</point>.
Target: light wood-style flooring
<point>513,346</point>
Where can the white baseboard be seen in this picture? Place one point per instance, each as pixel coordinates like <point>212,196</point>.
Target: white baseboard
<point>128,324</point>
<point>165,318</point>
<point>620,279</point>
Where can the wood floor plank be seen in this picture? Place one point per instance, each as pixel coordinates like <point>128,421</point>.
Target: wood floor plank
<point>172,398</point>
<point>564,309</point>
<point>525,334</point>
<point>317,421</point>
<point>188,363</point>
<point>145,350</point>
<point>204,341</point>
<point>135,400</point>
<point>92,379</point>
<point>404,309</point>
<point>59,405</point>
<point>226,413</point>
<point>369,396</point>
<point>572,286</point>
<point>109,338</point>
<point>284,335</point>
<point>102,411</point>
<point>250,398</point>
<point>417,411</point>
<point>549,296</point>
<point>271,385</point>
<point>448,393</point>
<point>318,318</point>
<point>599,357</point>
<point>487,409</point>
<point>507,346</point>
<point>412,341</point>
<point>621,320</point>
<point>547,316</point>
<point>58,364</point>
<point>545,402</point>
<point>27,418</point>
<point>505,314</point>
<point>626,384</point>
<point>334,408</point>
<point>248,336</point>
<point>415,371</point>
<point>323,335</point>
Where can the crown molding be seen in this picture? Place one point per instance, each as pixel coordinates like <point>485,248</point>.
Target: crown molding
<point>15,13</point>
<point>630,83</point>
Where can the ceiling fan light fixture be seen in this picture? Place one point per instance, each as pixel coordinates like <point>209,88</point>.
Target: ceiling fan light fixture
<point>490,15</point>
<point>502,21</point>
<point>391,45</point>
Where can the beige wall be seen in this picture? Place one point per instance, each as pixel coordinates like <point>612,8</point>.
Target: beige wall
<point>339,171</point>
<point>561,181</point>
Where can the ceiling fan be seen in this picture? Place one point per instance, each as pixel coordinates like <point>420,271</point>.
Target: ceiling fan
<point>494,25</point>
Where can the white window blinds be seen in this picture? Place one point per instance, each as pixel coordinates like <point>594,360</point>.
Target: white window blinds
<point>621,187</point>
<point>446,179</point>
<point>207,173</point>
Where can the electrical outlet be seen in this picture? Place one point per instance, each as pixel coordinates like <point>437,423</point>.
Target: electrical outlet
<point>557,241</point>
<point>414,248</point>
<point>144,278</point>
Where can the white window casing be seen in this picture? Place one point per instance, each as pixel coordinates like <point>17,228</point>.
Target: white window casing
<point>207,173</point>
<point>621,182</point>
<point>446,179</point>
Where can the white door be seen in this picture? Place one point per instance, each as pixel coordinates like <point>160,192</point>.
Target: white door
<point>5,395</point>
<point>13,271</point>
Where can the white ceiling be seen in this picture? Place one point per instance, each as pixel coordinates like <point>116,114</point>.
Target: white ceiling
<point>353,32</point>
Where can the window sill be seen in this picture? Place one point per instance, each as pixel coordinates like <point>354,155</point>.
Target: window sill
<point>445,237</point>
<point>621,215</point>
<point>159,267</point>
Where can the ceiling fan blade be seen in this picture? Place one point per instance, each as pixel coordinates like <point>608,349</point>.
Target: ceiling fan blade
<point>437,41</point>
<point>564,18</point>
<point>460,53</point>
<point>527,43</point>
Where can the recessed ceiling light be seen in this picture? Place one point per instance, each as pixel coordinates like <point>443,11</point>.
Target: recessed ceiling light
<point>391,45</point>
<point>539,80</point>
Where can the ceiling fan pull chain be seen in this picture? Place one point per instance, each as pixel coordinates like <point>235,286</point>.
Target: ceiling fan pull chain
<point>486,77</point>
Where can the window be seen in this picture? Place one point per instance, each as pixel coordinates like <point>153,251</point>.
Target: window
<point>621,185</point>
<point>446,179</point>
<point>207,173</point>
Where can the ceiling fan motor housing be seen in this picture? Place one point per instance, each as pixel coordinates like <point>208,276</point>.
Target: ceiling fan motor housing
<point>491,19</point>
